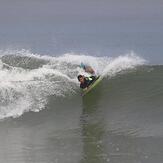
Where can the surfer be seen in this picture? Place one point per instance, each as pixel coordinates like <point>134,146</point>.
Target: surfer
<point>85,81</point>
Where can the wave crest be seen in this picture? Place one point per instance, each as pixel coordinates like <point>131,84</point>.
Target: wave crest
<point>27,80</point>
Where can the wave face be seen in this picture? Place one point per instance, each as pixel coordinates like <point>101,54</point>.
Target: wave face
<point>27,80</point>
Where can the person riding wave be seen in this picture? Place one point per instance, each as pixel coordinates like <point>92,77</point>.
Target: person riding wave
<point>85,82</point>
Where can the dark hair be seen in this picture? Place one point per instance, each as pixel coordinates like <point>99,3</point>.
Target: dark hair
<point>79,76</point>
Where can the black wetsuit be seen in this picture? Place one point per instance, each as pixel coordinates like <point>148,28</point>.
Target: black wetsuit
<point>87,82</point>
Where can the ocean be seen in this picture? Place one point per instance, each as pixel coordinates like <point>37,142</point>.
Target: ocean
<point>44,118</point>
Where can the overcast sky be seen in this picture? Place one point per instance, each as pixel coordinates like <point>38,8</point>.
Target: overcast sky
<point>90,26</point>
<point>13,11</point>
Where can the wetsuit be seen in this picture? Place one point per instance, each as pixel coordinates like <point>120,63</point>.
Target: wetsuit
<point>87,82</point>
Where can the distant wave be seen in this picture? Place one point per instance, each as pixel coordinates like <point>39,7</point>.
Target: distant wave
<point>27,80</point>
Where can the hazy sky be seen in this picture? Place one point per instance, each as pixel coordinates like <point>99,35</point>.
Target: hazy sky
<point>13,11</point>
<point>103,26</point>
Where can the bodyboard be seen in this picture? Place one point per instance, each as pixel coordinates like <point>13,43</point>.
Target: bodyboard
<point>92,85</point>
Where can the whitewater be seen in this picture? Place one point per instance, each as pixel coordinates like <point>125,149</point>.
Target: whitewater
<point>27,79</point>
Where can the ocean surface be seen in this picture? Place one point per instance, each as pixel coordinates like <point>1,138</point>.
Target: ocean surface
<point>44,118</point>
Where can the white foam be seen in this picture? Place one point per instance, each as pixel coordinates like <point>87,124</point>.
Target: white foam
<point>121,63</point>
<point>23,90</point>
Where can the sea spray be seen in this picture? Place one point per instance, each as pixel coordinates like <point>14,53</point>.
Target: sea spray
<point>121,63</point>
<point>27,80</point>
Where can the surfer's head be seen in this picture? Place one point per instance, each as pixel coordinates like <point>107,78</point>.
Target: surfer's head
<point>81,78</point>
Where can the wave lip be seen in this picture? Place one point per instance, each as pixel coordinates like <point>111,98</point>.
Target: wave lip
<point>121,63</point>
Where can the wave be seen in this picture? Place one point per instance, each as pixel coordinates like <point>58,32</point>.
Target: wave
<point>27,79</point>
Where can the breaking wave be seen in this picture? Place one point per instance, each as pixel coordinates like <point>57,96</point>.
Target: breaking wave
<point>27,80</point>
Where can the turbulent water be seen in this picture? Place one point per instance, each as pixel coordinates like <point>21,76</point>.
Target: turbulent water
<point>45,119</point>
<point>27,80</point>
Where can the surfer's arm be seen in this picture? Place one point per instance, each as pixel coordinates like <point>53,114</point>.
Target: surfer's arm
<point>83,87</point>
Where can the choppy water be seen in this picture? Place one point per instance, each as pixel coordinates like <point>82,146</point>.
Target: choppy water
<point>45,119</point>
<point>28,80</point>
